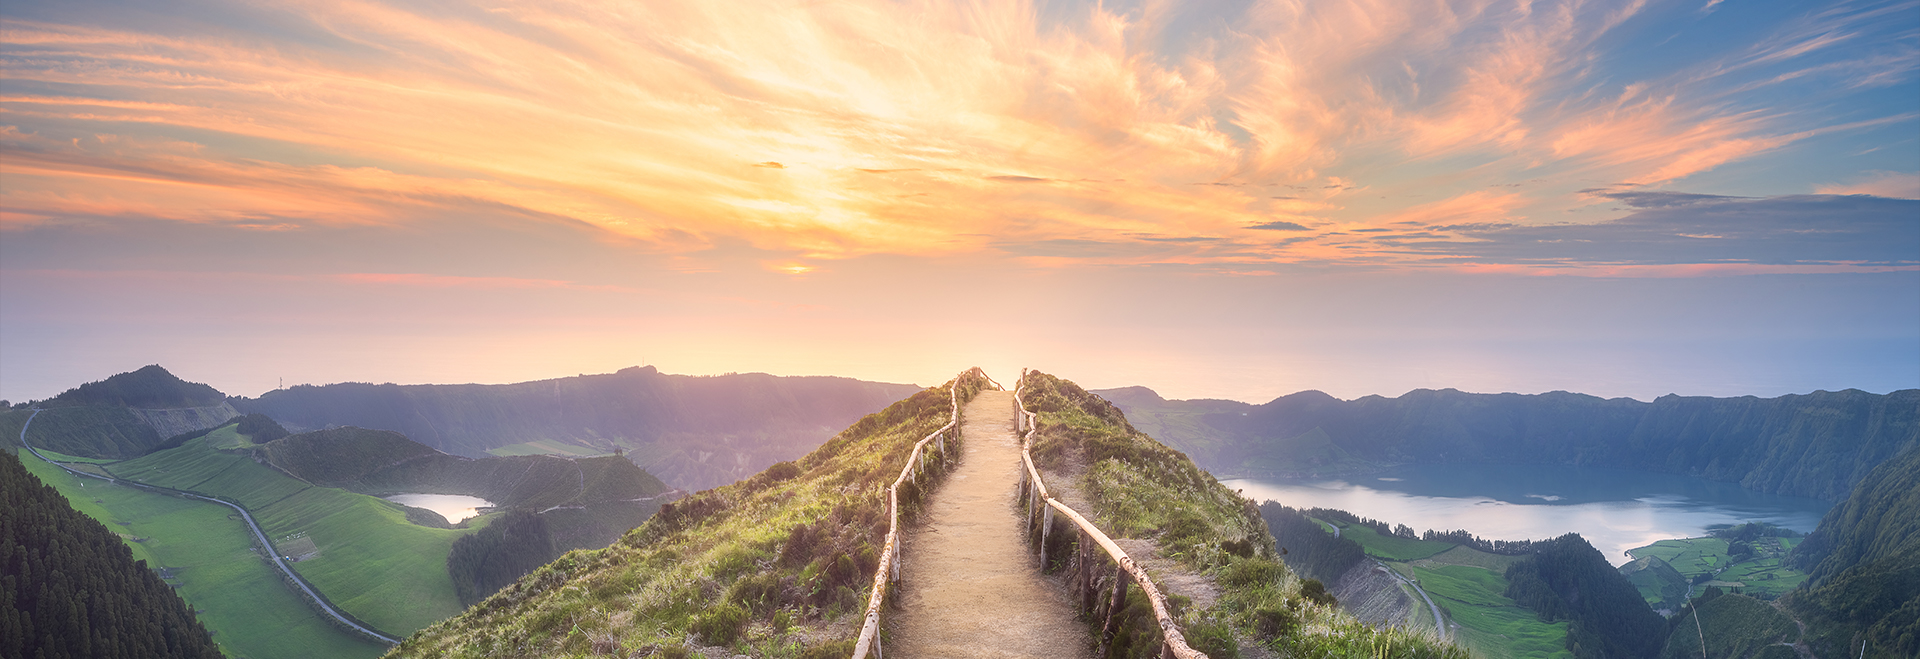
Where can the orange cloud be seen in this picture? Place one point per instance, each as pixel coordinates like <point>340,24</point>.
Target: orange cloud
<point>833,131</point>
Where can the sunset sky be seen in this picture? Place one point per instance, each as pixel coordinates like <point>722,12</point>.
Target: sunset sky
<point>1214,199</point>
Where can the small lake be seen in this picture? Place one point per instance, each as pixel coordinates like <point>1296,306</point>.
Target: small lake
<point>454,507</point>
<point>1614,509</point>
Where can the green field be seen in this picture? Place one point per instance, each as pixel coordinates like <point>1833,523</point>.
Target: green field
<point>1392,548</point>
<point>1467,584</point>
<point>1490,624</point>
<point>546,447</point>
<point>370,561</point>
<point>62,457</point>
<point>1761,575</point>
<point>209,554</point>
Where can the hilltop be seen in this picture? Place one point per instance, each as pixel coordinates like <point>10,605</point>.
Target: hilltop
<point>777,565</point>
<point>1817,445</point>
<point>123,416</point>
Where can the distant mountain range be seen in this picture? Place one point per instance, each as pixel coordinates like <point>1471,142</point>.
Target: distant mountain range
<point>1817,445</point>
<point>693,432</point>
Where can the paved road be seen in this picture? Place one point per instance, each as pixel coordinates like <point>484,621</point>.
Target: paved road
<point>1439,621</point>
<point>969,588</point>
<point>257,533</point>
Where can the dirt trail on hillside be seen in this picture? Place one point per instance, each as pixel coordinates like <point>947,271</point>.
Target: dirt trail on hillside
<point>969,588</point>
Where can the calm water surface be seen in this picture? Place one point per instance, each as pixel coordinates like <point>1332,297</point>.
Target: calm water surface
<point>454,507</point>
<point>1615,509</point>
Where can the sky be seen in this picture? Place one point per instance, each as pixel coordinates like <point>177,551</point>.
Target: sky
<point>1213,199</point>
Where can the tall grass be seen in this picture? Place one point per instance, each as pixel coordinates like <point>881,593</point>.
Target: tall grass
<point>1141,488</point>
<point>776,565</point>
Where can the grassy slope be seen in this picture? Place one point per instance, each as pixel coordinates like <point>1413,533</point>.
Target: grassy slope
<point>1734,626</point>
<point>546,447</point>
<point>1141,488</point>
<point>372,563</point>
<point>1763,574</point>
<point>1659,584</point>
<point>791,550</point>
<point>1468,584</point>
<point>236,594</point>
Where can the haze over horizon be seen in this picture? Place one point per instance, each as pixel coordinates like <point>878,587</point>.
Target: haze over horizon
<point>1223,200</point>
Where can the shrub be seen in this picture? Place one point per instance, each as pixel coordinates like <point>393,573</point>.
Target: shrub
<point>720,625</point>
<point>1249,572</point>
<point>1316,592</point>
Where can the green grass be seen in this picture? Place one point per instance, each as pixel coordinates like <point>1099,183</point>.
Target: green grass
<point>1492,625</point>
<point>1689,556</point>
<point>228,437</point>
<point>796,544</point>
<point>1392,548</point>
<point>236,594</point>
<point>546,447</point>
<point>372,563</point>
<point>62,457</point>
<point>1762,574</point>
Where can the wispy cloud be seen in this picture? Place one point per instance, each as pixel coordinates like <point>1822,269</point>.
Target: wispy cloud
<point>998,127</point>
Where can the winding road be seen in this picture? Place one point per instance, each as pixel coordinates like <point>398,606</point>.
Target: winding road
<point>1439,621</point>
<point>266,546</point>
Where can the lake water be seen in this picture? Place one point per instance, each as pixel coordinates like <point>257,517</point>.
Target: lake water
<point>454,507</point>
<point>1614,509</point>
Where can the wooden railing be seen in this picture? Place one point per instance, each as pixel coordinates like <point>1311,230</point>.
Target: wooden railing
<point>889,569</point>
<point>1034,491</point>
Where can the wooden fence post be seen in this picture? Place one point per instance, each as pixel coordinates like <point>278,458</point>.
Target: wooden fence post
<point>1118,603</point>
<point>1046,527</point>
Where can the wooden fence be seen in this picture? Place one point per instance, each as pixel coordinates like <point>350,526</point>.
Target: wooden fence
<point>1033,490</point>
<point>889,569</point>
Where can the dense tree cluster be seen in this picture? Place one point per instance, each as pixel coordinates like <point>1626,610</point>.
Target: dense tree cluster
<point>72,589</point>
<point>1567,579</point>
<point>499,554</point>
<point>260,428</point>
<point>1307,547</point>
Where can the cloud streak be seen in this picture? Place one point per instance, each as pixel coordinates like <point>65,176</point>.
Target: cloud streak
<point>836,131</point>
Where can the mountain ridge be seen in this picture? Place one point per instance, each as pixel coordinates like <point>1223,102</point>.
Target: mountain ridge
<point>1817,444</point>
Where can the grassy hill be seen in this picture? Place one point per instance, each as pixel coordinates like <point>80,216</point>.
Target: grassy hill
<point>360,550</point>
<point>1817,444</point>
<point>1138,488</point>
<point>1863,592</point>
<point>72,589</point>
<point>208,556</point>
<point>772,566</point>
<point>1733,626</point>
<point>123,416</point>
<point>693,432</point>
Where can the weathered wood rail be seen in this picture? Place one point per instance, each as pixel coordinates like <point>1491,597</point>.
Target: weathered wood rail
<point>889,570</point>
<point>1040,501</point>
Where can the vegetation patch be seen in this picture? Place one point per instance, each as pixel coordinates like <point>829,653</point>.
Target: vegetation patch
<point>372,563</point>
<point>777,565</point>
<point>1143,489</point>
<point>208,555</point>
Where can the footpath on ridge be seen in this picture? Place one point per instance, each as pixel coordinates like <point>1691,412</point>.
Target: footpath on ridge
<point>970,587</point>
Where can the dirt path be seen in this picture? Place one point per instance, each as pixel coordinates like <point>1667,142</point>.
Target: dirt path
<point>968,586</point>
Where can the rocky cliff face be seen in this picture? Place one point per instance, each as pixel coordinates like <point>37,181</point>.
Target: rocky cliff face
<point>167,423</point>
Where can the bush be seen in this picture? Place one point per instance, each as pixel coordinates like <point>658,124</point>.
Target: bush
<point>1251,572</point>
<point>1214,639</point>
<point>1275,622</point>
<point>720,625</point>
<point>1316,592</point>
